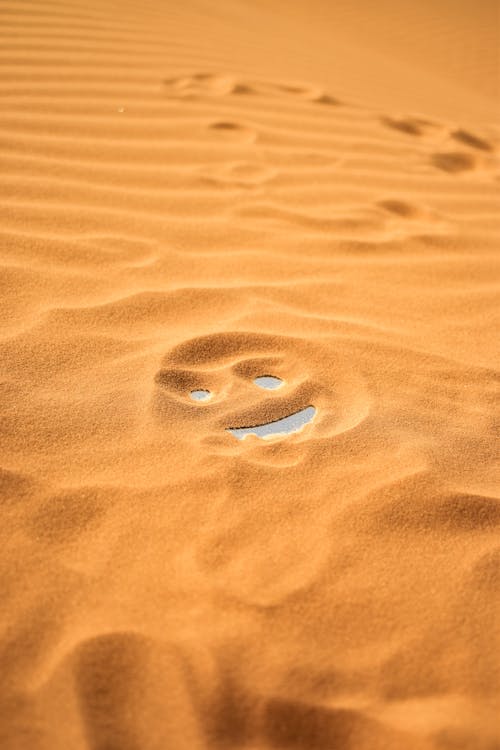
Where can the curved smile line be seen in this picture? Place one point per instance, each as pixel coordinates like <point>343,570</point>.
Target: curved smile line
<point>284,426</point>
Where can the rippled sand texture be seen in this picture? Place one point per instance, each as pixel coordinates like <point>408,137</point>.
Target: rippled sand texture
<point>195,195</point>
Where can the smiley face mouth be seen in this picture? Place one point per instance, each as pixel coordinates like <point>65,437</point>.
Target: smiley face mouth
<point>284,426</point>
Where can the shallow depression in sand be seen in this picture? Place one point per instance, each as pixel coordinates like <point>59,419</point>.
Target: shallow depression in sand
<point>269,382</point>
<point>201,395</point>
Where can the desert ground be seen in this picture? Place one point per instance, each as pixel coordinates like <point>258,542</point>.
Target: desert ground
<point>195,196</point>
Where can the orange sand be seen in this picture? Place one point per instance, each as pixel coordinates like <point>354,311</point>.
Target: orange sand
<point>194,194</point>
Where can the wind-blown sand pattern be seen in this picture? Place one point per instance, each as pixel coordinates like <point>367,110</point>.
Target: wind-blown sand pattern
<point>195,196</point>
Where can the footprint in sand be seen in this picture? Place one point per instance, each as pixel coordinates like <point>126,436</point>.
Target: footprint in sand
<point>305,92</point>
<point>229,386</point>
<point>473,141</point>
<point>420,126</point>
<point>412,219</point>
<point>233,131</point>
<point>199,85</point>
<point>479,156</point>
<point>416,126</point>
<point>454,162</point>
<point>451,161</point>
<point>238,174</point>
<point>372,224</point>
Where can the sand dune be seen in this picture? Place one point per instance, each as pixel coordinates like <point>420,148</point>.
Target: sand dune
<point>195,196</point>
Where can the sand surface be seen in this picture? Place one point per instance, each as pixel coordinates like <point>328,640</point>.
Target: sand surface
<point>195,194</point>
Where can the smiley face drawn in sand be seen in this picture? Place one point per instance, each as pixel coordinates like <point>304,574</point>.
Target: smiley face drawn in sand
<point>256,388</point>
<point>286,425</point>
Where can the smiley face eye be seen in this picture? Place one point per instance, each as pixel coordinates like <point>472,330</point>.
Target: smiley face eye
<point>201,395</point>
<point>269,382</point>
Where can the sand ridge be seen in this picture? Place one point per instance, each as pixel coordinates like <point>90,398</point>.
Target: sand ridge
<point>193,198</point>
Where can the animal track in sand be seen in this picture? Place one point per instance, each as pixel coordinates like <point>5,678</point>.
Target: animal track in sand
<point>233,369</point>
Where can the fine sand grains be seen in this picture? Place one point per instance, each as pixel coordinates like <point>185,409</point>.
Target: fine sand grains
<point>198,198</point>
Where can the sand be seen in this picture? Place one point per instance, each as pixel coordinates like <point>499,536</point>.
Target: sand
<point>194,195</point>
